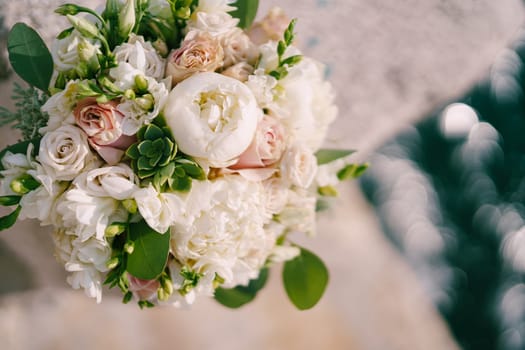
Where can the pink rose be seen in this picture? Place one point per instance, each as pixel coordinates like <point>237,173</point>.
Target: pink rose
<point>265,150</point>
<point>102,124</point>
<point>200,52</point>
<point>143,289</point>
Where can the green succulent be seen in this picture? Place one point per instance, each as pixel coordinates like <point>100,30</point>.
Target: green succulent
<point>155,158</point>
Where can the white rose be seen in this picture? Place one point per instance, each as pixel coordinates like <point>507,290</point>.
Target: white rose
<point>299,166</point>
<point>159,210</point>
<point>222,231</point>
<point>59,107</point>
<point>70,51</point>
<point>64,153</point>
<point>118,182</point>
<point>212,117</point>
<point>142,56</point>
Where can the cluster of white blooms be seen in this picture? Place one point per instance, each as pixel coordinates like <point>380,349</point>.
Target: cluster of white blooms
<point>252,134</point>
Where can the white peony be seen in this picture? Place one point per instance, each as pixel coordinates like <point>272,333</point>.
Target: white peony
<point>299,213</point>
<point>59,107</point>
<point>221,233</point>
<point>142,56</point>
<point>64,153</point>
<point>299,166</point>
<point>159,210</point>
<point>212,117</point>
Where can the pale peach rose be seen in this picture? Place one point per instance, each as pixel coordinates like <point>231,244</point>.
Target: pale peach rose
<point>240,71</point>
<point>102,124</point>
<point>266,149</point>
<point>143,289</point>
<point>271,27</point>
<point>267,146</point>
<point>200,52</point>
<point>238,47</point>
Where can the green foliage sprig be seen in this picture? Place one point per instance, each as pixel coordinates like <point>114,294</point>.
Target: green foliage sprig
<point>285,63</point>
<point>28,116</point>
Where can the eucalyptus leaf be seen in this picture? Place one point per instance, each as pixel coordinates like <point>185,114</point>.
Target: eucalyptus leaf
<point>30,56</point>
<point>10,219</point>
<point>305,279</point>
<point>325,156</point>
<point>241,295</point>
<point>245,11</point>
<point>150,253</point>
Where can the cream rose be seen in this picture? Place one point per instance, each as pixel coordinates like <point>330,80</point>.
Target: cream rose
<point>238,47</point>
<point>102,124</point>
<point>240,71</point>
<point>200,52</point>
<point>118,182</point>
<point>299,166</point>
<point>64,153</point>
<point>212,117</point>
<point>271,28</point>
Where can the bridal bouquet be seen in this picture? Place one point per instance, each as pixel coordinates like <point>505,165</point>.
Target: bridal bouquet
<point>175,149</point>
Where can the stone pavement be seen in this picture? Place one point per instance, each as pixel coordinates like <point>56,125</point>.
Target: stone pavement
<point>391,62</point>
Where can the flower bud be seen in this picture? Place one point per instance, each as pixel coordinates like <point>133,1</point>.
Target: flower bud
<point>115,229</point>
<point>145,102</point>
<point>126,18</point>
<point>141,84</point>
<point>328,191</point>
<point>130,205</point>
<point>112,263</point>
<point>129,247</point>
<point>85,27</point>
<point>67,9</point>
<point>161,47</point>
<point>129,94</point>
<point>24,184</point>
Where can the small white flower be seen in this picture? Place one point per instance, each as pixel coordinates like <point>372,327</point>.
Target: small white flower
<point>212,117</point>
<point>281,253</point>
<point>60,108</point>
<point>118,182</point>
<point>64,153</point>
<point>299,166</point>
<point>70,51</point>
<point>142,56</point>
<point>159,210</point>
<point>299,213</point>
<point>262,86</point>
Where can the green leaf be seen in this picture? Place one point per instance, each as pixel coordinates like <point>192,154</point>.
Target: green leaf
<point>10,219</point>
<point>245,11</point>
<point>7,201</point>
<point>30,56</point>
<point>20,147</point>
<point>325,156</point>
<point>305,279</point>
<point>150,252</point>
<point>352,171</point>
<point>238,296</point>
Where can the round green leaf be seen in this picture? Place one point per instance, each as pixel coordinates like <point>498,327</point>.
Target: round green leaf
<point>150,252</point>
<point>305,279</point>
<point>30,56</point>
<point>238,296</point>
